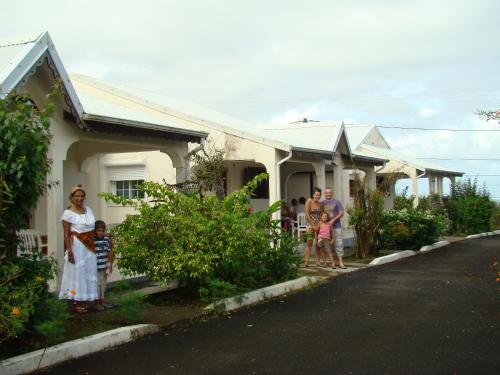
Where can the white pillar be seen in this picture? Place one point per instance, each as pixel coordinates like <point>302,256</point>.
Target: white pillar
<point>432,185</point>
<point>452,182</point>
<point>337,178</point>
<point>440,185</point>
<point>414,184</point>
<point>370,179</point>
<point>56,202</point>
<point>319,169</point>
<point>273,186</point>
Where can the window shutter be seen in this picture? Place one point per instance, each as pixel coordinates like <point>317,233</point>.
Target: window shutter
<point>122,173</point>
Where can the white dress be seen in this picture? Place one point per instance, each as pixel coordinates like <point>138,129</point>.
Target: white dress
<point>79,280</point>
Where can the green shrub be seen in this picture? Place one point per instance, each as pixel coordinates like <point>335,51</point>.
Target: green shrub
<point>495,219</point>
<point>470,208</point>
<point>199,239</point>
<point>216,289</point>
<point>25,301</point>
<point>410,229</point>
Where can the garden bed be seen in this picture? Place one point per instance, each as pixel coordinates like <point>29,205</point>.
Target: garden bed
<point>163,309</point>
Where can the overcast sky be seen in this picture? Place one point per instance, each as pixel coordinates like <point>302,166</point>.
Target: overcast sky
<point>391,63</point>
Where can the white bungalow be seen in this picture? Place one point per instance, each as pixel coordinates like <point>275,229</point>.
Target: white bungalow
<point>367,140</point>
<point>81,138</point>
<point>297,157</point>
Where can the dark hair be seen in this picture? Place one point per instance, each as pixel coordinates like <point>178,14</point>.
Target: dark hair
<point>294,202</point>
<point>99,224</point>
<point>316,190</point>
<point>302,200</point>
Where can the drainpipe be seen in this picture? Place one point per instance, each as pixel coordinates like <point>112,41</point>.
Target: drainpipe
<point>415,202</point>
<point>278,178</point>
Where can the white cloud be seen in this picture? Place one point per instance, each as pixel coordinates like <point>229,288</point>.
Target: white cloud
<point>293,115</point>
<point>428,112</point>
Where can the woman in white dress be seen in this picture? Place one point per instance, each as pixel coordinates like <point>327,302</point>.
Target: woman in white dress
<point>79,280</point>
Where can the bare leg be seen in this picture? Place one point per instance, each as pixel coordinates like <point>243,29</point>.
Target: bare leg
<point>307,252</point>
<point>318,251</point>
<point>341,263</point>
<point>330,256</point>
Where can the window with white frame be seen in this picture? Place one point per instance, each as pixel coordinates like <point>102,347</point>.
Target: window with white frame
<point>129,188</point>
<point>124,181</point>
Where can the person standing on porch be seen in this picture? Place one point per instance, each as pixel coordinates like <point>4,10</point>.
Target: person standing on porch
<point>79,279</point>
<point>313,210</point>
<point>335,210</point>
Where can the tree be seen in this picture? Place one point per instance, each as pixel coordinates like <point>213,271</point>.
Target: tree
<point>365,216</point>
<point>25,301</point>
<point>489,115</point>
<point>24,142</point>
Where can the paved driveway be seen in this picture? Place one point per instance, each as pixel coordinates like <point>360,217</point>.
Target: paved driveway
<point>436,313</point>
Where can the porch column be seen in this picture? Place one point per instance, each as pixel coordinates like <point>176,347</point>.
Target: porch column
<point>370,179</point>
<point>319,169</point>
<point>414,184</point>
<point>452,182</point>
<point>432,185</point>
<point>181,173</point>
<point>273,186</point>
<point>55,206</point>
<point>440,185</point>
<point>338,168</point>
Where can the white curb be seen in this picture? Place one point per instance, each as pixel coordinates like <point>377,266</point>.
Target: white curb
<point>258,295</point>
<point>391,257</point>
<point>436,245</point>
<point>29,362</point>
<point>483,234</point>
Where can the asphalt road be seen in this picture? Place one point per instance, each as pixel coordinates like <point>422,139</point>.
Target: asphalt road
<point>436,313</point>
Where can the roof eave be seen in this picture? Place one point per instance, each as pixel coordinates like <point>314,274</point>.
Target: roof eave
<point>23,69</point>
<point>143,125</point>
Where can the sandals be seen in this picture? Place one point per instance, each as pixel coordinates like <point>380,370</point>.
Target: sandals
<point>80,309</point>
<point>343,267</point>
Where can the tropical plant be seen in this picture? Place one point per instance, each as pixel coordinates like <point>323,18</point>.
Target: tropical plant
<point>365,217</point>
<point>469,207</point>
<point>203,239</point>
<point>209,170</point>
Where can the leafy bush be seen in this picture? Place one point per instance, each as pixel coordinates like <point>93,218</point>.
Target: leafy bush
<point>470,208</point>
<point>410,229</point>
<point>25,302</point>
<point>495,219</point>
<point>204,241</point>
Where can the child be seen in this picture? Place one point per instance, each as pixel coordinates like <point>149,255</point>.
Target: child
<point>326,237</point>
<point>105,256</point>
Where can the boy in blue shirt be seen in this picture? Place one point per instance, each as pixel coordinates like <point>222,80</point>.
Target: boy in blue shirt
<point>104,253</point>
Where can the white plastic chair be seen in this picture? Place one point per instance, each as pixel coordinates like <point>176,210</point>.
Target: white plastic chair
<point>29,239</point>
<point>300,224</point>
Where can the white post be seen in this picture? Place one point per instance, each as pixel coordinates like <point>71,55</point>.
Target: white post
<point>370,178</point>
<point>440,185</point>
<point>414,184</point>
<point>55,206</point>
<point>319,169</point>
<point>338,168</point>
<point>432,185</point>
